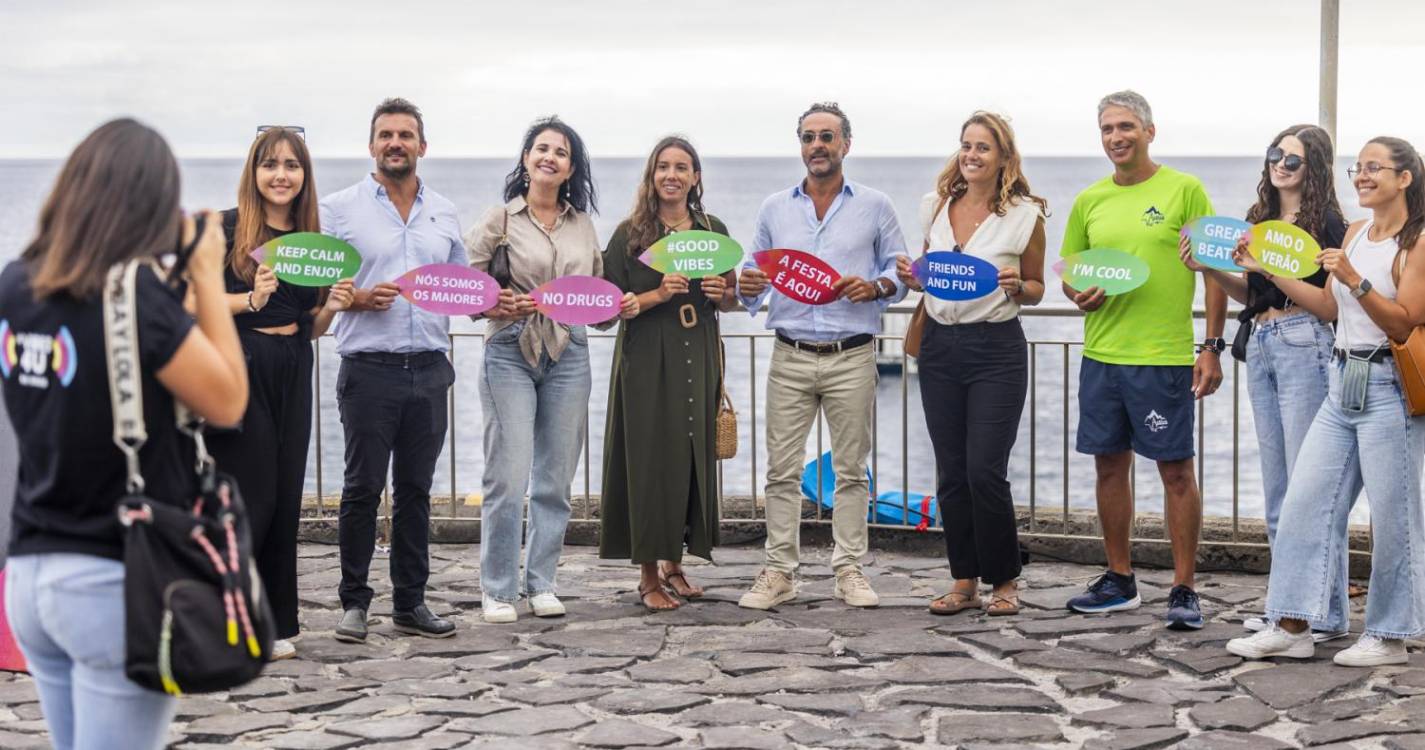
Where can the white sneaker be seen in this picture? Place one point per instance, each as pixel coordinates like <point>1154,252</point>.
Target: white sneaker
<point>497,612</point>
<point>853,588</point>
<point>1258,624</point>
<point>1255,624</point>
<point>1274,641</point>
<point>770,589</point>
<point>282,649</point>
<point>1370,651</point>
<point>546,605</point>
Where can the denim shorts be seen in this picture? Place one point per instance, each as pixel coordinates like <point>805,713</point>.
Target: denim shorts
<point>1146,408</point>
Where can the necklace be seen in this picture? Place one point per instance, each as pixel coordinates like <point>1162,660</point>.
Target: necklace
<point>671,228</point>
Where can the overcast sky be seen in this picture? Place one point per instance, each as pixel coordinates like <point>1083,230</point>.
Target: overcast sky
<point>1222,75</point>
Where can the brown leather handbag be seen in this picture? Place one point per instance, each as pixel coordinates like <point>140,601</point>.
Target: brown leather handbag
<point>1410,359</point>
<point>915,330</point>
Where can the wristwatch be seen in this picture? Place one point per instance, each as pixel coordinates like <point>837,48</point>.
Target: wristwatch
<point>1362,290</point>
<point>1214,345</point>
<point>884,290</point>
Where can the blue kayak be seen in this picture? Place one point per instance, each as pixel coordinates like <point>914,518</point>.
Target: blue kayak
<point>916,509</point>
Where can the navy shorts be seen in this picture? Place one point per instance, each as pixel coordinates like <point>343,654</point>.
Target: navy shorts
<point>1148,408</point>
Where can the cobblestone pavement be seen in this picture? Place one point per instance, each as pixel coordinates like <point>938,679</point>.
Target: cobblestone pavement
<point>812,674</point>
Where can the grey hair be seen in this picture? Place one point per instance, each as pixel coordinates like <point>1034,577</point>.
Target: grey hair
<point>830,108</point>
<point>1130,100</point>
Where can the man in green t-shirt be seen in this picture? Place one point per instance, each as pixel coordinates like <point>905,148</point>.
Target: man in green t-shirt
<point>1138,380</point>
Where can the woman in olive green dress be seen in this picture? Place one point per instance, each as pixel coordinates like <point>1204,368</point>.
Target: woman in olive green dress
<point>660,480</point>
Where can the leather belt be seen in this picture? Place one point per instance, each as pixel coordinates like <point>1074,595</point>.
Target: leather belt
<point>827,347</point>
<point>404,360</point>
<point>1379,355</point>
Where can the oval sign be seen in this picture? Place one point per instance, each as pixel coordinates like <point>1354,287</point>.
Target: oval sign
<point>694,254</point>
<point>1113,271</point>
<point>309,259</point>
<point>1213,238</point>
<point>955,276</point>
<point>449,289</point>
<point>1284,249</point>
<point>578,300</point>
<point>799,275</point>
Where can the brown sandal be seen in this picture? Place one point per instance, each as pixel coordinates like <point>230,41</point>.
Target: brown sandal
<point>994,607</point>
<point>945,605</point>
<point>687,591</point>
<point>643,595</point>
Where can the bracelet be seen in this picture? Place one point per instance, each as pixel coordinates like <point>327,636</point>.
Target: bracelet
<point>250,307</point>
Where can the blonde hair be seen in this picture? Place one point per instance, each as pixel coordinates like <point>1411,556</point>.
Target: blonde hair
<point>1011,185</point>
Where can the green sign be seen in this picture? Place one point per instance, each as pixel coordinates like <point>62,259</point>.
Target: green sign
<point>1284,249</point>
<point>1113,271</point>
<point>694,254</point>
<point>309,259</point>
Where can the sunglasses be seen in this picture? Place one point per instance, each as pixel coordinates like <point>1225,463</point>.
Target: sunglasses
<point>298,129</point>
<point>1370,169</point>
<point>1289,162</point>
<point>826,136</point>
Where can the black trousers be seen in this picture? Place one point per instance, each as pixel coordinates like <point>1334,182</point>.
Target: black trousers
<point>267,455</point>
<point>394,415</point>
<point>973,379</point>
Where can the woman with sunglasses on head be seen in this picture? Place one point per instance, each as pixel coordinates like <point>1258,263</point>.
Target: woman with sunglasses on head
<point>974,370</point>
<point>277,321</point>
<point>534,390</point>
<point>1362,436</point>
<point>115,201</point>
<point>1288,347</point>
<point>649,515</point>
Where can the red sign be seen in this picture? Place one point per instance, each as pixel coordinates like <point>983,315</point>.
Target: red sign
<point>799,275</point>
<point>11,660</point>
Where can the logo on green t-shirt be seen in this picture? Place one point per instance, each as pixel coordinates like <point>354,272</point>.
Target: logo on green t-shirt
<point>1152,217</point>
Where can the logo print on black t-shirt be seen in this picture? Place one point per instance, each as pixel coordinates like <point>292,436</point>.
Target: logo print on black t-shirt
<point>1152,217</point>
<point>31,357</point>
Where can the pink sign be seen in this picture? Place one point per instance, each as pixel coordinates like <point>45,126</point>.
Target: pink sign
<point>449,289</point>
<point>578,300</point>
<point>799,275</point>
<point>11,660</point>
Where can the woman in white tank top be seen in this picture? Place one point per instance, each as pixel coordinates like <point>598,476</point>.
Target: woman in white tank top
<point>1362,437</point>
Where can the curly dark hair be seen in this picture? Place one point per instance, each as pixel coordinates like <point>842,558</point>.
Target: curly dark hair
<point>579,189</point>
<point>1318,189</point>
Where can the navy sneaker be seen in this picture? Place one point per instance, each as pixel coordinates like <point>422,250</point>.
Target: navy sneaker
<point>1110,592</point>
<point>1183,610</point>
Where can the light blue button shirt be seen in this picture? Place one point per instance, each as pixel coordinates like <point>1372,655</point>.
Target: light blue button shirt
<point>364,216</point>
<point>859,236</point>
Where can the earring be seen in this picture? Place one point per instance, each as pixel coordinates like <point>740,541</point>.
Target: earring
<point>526,178</point>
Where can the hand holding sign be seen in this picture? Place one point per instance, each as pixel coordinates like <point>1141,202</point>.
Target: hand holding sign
<point>1284,249</point>
<point>693,254</point>
<point>579,300</point>
<point>955,276</point>
<point>449,289</point>
<point>1112,271</point>
<point>799,275</point>
<point>1212,239</point>
<point>309,259</point>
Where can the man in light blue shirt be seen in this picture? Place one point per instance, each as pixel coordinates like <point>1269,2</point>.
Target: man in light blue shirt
<point>824,357</point>
<point>391,388</point>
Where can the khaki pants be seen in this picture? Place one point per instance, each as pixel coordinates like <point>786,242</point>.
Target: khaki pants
<point>843,385</point>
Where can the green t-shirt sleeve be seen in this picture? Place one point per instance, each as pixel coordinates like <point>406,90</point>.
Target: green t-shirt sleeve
<point>1198,204</point>
<point>1076,234</point>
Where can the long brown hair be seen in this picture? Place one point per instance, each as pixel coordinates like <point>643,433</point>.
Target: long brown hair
<point>252,231</point>
<point>1407,159</point>
<point>644,227</point>
<point>115,199</point>
<point>1010,183</point>
<point>1318,189</point>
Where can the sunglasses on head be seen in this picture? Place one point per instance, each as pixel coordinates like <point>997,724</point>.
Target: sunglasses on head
<point>1289,162</point>
<point>826,136</point>
<point>298,129</point>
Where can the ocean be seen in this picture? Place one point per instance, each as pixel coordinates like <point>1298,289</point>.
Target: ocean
<point>735,187</point>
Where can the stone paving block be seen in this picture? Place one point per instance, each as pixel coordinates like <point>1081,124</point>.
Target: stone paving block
<point>302,702</point>
<point>901,723</point>
<point>1073,625</point>
<point>458,708</point>
<point>742,738</point>
<point>737,713</point>
<point>1230,741</point>
<point>438,740</point>
<point>716,641</point>
<point>1203,660</point>
<point>1067,660</point>
<point>432,688</point>
<point>582,664</point>
<point>16,741</point>
<point>1172,692</point>
<point>549,695</point>
<point>465,642</point>
<point>294,668</point>
<point>1234,596</point>
<point>490,677</point>
<point>703,612</point>
<point>310,740</point>
<point>191,707</point>
<point>1128,716</point>
<point>975,697</point>
<point>958,729</point>
<point>1245,714</point>
<point>822,737</point>
<point>738,663</point>
<point>830,704</point>
<point>641,643</point>
<point>1081,683</point>
<point>511,659</point>
<point>371,705</point>
<point>620,733</point>
<point>1048,598</point>
<point>400,669</point>
<point>1003,645</point>
<point>1213,633</point>
<point>1344,731</point>
<point>850,621</point>
<point>964,624</point>
<point>1291,685</point>
<point>262,687</point>
<point>794,680</point>
<point>1115,645</point>
<point>525,722</point>
<point>1140,739</point>
<point>681,670</point>
<point>648,701</point>
<point>936,670</point>
<point>388,729</point>
<point>1337,710</point>
<point>1405,742</point>
<point>323,682</point>
<point>331,651</point>
<point>229,727</point>
<point>879,648</point>
<point>606,680</point>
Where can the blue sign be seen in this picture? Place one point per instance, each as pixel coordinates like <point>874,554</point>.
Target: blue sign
<point>955,276</point>
<point>1213,238</point>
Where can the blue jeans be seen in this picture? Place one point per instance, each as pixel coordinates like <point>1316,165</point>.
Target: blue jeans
<point>1287,361</point>
<point>67,611</point>
<point>1381,450</point>
<point>535,419</point>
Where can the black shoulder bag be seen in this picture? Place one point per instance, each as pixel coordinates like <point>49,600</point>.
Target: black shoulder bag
<point>196,619</point>
<point>499,268</point>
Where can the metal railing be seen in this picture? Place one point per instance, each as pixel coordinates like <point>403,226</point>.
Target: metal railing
<point>1052,355</point>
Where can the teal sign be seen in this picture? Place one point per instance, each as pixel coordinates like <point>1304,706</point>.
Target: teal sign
<point>1213,238</point>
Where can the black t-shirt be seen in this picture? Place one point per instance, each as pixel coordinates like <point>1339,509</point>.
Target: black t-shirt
<point>289,304</point>
<point>57,392</point>
<point>1262,294</point>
